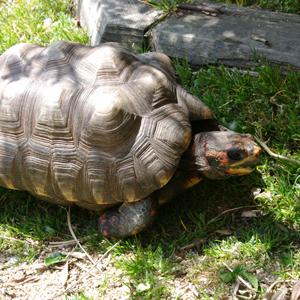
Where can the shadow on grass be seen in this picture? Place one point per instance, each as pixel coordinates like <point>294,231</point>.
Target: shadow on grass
<point>181,222</point>
<point>187,220</point>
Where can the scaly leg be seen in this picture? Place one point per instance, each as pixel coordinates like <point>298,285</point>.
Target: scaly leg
<point>128,219</point>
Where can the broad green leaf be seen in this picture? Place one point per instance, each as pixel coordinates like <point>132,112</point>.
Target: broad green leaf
<point>252,279</point>
<point>54,258</point>
<point>227,276</point>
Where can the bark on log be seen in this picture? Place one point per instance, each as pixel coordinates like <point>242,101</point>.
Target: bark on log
<point>230,35</point>
<point>236,37</point>
<point>123,21</point>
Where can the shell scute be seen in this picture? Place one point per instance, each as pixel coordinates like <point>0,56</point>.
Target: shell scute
<point>91,125</point>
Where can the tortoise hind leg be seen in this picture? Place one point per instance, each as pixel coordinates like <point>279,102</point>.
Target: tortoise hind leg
<point>128,219</point>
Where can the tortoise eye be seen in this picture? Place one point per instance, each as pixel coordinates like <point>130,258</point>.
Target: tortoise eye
<point>235,154</point>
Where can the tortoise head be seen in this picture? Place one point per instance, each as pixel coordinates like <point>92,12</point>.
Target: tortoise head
<point>221,154</point>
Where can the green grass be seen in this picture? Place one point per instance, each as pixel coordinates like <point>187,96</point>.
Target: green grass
<point>267,247</point>
<point>38,21</point>
<point>42,22</point>
<point>261,248</point>
<point>80,296</point>
<point>289,6</point>
<point>269,106</point>
<point>148,269</point>
<point>166,5</point>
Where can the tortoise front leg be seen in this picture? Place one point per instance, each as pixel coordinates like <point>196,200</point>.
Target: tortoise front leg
<point>128,219</point>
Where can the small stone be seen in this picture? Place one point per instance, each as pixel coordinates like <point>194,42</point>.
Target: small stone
<point>12,260</point>
<point>19,276</point>
<point>255,192</point>
<point>124,290</point>
<point>251,213</point>
<point>143,287</point>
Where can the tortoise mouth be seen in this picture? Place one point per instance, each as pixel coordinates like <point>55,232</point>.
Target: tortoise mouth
<point>240,171</point>
<point>244,167</point>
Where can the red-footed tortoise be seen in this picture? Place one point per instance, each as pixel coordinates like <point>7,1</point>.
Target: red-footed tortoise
<point>101,127</point>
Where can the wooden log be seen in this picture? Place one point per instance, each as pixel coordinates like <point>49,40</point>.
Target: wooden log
<point>235,36</point>
<point>123,21</point>
<point>207,33</point>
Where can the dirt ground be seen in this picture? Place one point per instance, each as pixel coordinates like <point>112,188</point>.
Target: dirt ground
<point>35,281</point>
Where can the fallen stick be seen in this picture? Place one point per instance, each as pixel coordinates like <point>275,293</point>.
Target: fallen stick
<point>87,274</point>
<point>243,281</point>
<point>277,156</point>
<point>228,211</point>
<point>199,241</point>
<point>3,237</point>
<point>78,243</point>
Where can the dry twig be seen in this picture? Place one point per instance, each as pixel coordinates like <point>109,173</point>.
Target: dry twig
<point>228,211</point>
<point>195,243</point>
<point>68,242</point>
<point>296,291</point>
<point>270,288</point>
<point>90,258</point>
<point>109,250</point>
<point>243,281</point>
<point>75,238</point>
<point>80,266</point>
<point>3,237</point>
<point>198,242</point>
<point>62,244</point>
<point>89,273</point>
<point>274,155</point>
<point>236,289</point>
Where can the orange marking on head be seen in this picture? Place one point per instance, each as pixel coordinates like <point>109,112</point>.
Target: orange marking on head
<point>220,156</point>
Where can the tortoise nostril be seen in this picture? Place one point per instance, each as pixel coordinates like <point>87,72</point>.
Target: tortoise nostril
<point>235,154</point>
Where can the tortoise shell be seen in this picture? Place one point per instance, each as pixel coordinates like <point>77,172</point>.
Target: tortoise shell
<point>93,126</point>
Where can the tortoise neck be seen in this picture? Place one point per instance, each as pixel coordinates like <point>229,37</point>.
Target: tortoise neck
<point>194,158</point>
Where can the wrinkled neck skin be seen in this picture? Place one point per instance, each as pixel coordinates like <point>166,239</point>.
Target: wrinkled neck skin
<point>194,160</point>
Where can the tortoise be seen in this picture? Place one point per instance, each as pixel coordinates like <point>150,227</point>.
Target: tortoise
<point>108,130</point>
